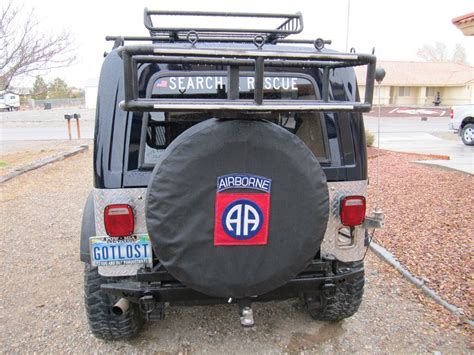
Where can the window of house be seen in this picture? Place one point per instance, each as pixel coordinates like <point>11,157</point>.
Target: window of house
<point>403,91</point>
<point>431,91</point>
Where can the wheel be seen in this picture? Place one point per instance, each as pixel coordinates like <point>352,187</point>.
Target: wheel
<point>467,134</point>
<point>343,304</point>
<point>103,323</point>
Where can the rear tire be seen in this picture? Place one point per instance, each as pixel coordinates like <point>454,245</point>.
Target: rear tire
<point>344,303</point>
<point>467,134</point>
<point>103,323</point>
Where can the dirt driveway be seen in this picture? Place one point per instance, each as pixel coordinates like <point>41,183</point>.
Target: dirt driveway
<point>41,300</point>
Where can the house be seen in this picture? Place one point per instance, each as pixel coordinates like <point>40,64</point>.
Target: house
<point>418,83</point>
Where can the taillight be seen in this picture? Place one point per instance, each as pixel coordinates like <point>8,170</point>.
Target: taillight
<point>118,220</point>
<point>352,210</point>
<point>451,113</point>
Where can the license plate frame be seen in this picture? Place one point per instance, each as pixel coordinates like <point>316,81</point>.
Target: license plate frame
<point>113,251</point>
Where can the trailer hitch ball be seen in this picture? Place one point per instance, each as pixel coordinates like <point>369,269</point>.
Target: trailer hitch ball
<point>245,312</point>
<point>246,319</point>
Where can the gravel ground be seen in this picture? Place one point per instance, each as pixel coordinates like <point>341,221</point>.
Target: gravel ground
<point>41,303</point>
<point>433,235</point>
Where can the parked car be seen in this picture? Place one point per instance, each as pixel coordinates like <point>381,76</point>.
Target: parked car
<point>462,122</point>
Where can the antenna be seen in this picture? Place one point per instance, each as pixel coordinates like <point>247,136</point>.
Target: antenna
<point>379,76</point>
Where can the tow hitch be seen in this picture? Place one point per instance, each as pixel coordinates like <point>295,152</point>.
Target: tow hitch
<point>152,309</point>
<point>245,312</point>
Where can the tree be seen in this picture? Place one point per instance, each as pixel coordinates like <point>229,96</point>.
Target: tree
<point>26,48</point>
<point>436,53</point>
<point>40,89</point>
<point>58,89</point>
<point>439,53</point>
<point>459,55</point>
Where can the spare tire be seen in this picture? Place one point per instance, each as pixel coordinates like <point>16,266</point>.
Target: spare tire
<point>182,198</point>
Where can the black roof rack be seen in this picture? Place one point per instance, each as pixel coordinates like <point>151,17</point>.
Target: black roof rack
<point>235,59</point>
<point>292,24</point>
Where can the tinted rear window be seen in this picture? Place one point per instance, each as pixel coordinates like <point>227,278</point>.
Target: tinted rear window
<point>161,128</point>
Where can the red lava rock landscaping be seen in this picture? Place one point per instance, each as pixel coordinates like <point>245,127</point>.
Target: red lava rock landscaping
<point>428,214</point>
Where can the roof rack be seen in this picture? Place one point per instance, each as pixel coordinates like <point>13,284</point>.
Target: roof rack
<point>292,24</point>
<point>233,59</point>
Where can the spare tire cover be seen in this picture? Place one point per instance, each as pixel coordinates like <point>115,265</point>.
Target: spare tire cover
<point>181,207</point>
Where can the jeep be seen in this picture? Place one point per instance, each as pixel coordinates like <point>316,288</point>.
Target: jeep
<point>230,166</point>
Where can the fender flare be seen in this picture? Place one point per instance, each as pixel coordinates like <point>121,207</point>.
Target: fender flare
<point>87,228</point>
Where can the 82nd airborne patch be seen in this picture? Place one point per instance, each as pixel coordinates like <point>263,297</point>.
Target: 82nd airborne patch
<point>242,218</point>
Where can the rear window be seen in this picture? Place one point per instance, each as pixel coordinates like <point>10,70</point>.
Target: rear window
<point>161,128</point>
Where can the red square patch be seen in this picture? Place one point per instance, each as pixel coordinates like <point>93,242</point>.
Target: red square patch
<point>241,218</point>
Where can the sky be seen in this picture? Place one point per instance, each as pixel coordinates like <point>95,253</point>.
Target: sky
<point>396,28</point>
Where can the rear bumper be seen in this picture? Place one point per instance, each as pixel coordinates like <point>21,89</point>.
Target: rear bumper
<point>159,284</point>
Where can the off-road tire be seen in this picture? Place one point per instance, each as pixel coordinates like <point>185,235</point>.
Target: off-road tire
<point>467,128</point>
<point>102,322</point>
<point>343,304</point>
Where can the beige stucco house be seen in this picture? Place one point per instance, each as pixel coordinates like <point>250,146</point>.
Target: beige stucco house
<point>417,83</point>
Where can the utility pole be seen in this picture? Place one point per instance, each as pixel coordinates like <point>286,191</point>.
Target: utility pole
<point>347,23</point>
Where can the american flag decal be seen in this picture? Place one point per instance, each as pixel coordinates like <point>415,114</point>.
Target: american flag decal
<point>162,83</point>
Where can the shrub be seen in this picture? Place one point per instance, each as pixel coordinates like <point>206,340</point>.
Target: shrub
<point>369,138</point>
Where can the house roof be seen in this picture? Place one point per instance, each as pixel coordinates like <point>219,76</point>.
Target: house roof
<point>464,18</point>
<point>465,23</point>
<point>422,74</point>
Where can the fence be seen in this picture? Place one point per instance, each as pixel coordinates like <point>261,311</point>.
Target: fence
<point>55,103</point>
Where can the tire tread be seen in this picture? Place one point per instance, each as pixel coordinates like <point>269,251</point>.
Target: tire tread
<point>344,304</point>
<point>102,322</point>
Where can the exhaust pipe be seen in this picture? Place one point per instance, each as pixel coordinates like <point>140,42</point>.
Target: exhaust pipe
<point>120,307</point>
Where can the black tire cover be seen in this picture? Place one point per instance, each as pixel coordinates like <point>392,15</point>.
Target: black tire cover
<point>181,198</point>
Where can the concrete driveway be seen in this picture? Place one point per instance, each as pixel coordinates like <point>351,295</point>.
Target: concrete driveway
<point>411,134</point>
<point>44,125</point>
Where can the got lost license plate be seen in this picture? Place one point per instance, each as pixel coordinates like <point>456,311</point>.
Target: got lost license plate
<point>109,251</point>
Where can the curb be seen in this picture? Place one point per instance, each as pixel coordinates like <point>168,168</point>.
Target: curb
<point>388,257</point>
<point>42,162</point>
<point>439,164</point>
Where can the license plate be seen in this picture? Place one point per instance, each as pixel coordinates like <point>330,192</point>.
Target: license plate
<point>109,251</point>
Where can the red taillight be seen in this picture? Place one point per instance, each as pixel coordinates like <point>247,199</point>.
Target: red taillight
<point>451,113</point>
<point>352,210</point>
<point>118,220</point>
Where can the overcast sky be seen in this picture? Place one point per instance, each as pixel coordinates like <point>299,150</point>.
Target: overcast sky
<point>396,28</point>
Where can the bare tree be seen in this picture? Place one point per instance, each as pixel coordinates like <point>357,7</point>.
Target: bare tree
<point>459,55</point>
<point>26,49</point>
<point>436,53</point>
<point>439,53</point>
